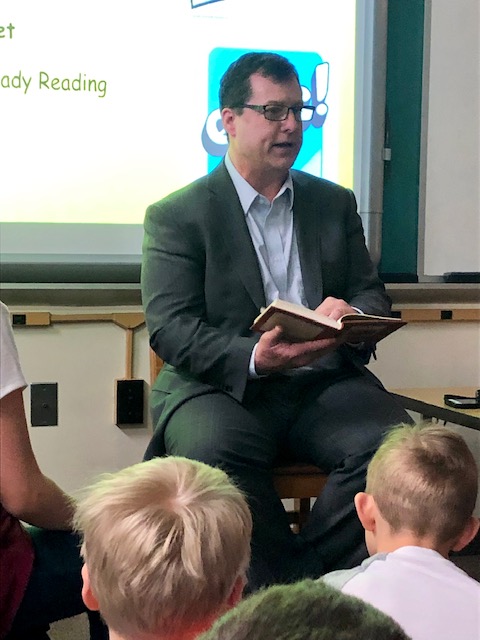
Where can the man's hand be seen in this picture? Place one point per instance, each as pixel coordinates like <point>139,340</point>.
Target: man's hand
<point>274,353</point>
<point>335,308</point>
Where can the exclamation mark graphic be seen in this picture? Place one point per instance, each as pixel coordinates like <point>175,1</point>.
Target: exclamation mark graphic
<point>319,93</point>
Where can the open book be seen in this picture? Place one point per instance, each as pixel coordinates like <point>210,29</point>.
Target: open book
<point>300,324</point>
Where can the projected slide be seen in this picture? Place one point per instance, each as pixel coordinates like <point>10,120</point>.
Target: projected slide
<point>110,105</point>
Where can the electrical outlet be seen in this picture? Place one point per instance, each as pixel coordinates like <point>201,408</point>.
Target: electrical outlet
<point>129,403</point>
<point>44,404</point>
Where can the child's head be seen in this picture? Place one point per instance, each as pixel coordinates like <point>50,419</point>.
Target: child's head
<point>309,610</point>
<point>423,480</point>
<point>166,544</point>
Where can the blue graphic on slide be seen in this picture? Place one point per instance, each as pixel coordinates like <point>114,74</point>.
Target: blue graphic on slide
<point>200,3</point>
<point>313,73</point>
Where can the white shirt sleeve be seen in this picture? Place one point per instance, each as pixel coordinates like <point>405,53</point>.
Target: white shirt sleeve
<point>252,372</point>
<point>11,376</point>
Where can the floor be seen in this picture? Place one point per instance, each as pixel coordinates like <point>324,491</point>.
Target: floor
<point>77,628</point>
<point>70,629</point>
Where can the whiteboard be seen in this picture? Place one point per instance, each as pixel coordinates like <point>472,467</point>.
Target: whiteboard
<point>451,121</point>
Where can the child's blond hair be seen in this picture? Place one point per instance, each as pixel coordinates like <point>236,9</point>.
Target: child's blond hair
<point>424,479</point>
<point>165,541</point>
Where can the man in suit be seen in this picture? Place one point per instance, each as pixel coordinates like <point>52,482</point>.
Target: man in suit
<point>217,251</point>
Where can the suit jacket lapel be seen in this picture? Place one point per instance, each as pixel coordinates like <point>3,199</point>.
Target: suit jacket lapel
<point>230,218</point>
<point>307,227</point>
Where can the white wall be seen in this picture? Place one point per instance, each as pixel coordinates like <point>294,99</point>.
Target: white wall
<point>85,359</point>
<point>430,354</point>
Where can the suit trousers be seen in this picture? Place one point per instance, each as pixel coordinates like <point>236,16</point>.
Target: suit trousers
<point>333,419</point>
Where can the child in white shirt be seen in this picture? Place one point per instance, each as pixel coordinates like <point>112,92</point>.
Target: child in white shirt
<point>417,507</point>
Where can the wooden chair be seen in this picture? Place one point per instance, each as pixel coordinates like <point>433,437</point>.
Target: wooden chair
<point>301,482</point>
<point>156,363</point>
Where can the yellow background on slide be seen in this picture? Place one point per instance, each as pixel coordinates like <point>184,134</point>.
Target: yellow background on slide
<point>75,156</point>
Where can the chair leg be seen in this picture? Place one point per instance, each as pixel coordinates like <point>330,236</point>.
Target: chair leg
<point>303,512</point>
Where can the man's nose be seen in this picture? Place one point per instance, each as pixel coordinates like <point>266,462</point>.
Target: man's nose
<point>290,122</point>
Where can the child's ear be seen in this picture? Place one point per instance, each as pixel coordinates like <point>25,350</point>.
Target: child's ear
<point>237,592</point>
<point>87,594</point>
<point>468,534</point>
<point>366,510</point>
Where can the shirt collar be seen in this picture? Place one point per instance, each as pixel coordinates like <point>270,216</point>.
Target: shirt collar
<point>246,193</point>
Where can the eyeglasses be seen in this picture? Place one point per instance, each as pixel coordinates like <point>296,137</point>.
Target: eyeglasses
<point>279,112</point>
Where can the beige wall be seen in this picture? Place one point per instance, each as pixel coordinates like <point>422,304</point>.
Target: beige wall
<point>86,359</point>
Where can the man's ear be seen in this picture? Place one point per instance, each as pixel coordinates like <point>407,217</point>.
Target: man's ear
<point>366,510</point>
<point>228,120</point>
<point>468,534</point>
<point>87,594</point>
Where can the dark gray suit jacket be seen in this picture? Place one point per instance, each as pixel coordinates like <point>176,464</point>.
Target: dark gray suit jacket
<point>202,288</point>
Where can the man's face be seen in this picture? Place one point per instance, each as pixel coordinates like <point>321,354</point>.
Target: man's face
<point>257,144</point>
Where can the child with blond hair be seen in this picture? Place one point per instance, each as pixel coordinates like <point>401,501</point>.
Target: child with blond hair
<point>417,507</point>
<point>166,546</point>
